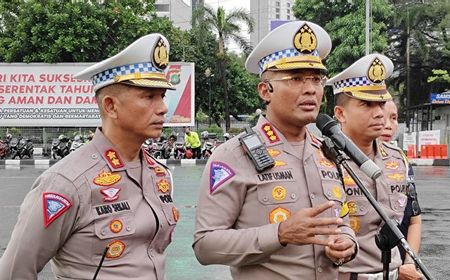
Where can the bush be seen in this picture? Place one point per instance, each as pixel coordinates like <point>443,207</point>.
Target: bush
<point>235,130</point>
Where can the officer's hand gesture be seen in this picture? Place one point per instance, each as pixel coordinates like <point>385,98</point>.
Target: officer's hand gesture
<point>305,228</point>
<point>340,249</point>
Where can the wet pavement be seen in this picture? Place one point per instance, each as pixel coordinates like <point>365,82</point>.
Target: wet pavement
<point>433,183</point>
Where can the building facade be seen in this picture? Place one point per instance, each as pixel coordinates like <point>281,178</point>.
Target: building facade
<point>178,11</point>
<point>268,14</point>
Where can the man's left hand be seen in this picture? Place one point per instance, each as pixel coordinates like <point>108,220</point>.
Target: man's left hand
<point>340,249</point>
<point>409,272</point>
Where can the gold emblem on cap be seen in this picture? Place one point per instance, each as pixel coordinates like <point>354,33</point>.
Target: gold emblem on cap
<point>161,55</point>
<point>377,72</point>
<point>305,41</point>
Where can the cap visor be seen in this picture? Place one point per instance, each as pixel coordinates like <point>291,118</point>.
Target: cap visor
<point>375,96</point>
<point>150,83</point>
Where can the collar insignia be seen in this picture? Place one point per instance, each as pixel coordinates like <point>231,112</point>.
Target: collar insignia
<point>270,133</point>
<point>113,159</point>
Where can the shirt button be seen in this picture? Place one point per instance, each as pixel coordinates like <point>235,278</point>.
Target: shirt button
<point>319,269</point>
<point>128,228</point>
<point>94,156</point>
<point>103,232</point>
<point>265,199</point>
<point>329,193</point>
<point>293,195</point>
<point>312,196</point>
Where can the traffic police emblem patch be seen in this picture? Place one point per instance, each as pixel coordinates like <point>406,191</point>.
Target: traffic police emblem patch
<point>54,206</point>
<point>219,173</point>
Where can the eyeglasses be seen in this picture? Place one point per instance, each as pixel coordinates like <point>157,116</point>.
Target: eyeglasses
<point>298,81</point>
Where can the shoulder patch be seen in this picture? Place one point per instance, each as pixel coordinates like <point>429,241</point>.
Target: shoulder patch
<point>219,173</point>
<point>54,206</point>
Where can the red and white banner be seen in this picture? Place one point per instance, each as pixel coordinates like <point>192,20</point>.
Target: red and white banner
<point>40,94</point>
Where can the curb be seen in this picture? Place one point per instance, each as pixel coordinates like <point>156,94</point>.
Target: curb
<point>49,162</point>
<point>429,162</point>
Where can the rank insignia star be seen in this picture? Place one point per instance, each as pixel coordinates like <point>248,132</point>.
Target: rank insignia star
<point>270,133</point>
<point>113,158</point>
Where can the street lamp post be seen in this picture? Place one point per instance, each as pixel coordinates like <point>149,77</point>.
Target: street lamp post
<point>208,75</point>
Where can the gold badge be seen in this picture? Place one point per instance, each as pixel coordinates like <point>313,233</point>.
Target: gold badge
<point>396,177</point>
<point>376,72</point>
<point>279,163</point>
<point>305,41</point>
<point>279,215</point>
<point>344,210</point>
<point>352,207</point>
<point>337,192</point>
<point>279,193</point>
<point>160,171</point>
<point>163,185</point>
<point>355,224</point>
<point>116,249</point>
<point>107,178</point>
<point>113,159</point>
<point>116,226</point>
<point>160,55</point>
<point>382,151</point>
<point>326,163</point>
<point>273,152</point>
<point>392,165</point>
<point>176,214</point>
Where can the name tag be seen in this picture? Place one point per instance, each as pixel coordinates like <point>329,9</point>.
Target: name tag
<point>112,208</point>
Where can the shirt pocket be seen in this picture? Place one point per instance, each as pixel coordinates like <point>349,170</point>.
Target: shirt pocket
<point>276,193</point>
<point>116,231</point>
<point>359,208</point>
<point>398,203</point>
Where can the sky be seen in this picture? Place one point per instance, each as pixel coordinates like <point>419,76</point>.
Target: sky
<point>229,5</point>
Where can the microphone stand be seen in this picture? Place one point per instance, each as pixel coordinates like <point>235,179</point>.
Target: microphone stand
<point>389,235</point>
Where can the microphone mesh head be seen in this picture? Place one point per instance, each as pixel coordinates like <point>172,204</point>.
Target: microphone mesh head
<point>324,123</point>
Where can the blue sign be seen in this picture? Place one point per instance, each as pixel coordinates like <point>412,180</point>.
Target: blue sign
<point>275,23</point>
<point>440,98</point>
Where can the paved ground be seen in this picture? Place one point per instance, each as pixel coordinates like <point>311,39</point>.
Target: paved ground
<point>433,189</point>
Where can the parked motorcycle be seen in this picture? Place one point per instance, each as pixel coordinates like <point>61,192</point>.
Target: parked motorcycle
<point>207,149</point>
<point>4,149</point>
<point>25,148</point>
<point>61,147</point>
<point>13,147</point>
<point>76,143</point>
<point>180,151</point>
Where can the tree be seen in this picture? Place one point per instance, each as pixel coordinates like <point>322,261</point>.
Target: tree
<point>226,26</point>
<point>345,23</point>
<point>75,31</point>
<point>424,27</point>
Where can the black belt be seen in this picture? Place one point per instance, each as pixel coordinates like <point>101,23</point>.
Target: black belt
<point>353,276</point>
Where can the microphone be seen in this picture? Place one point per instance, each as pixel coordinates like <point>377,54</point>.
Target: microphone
<point>331,129</point>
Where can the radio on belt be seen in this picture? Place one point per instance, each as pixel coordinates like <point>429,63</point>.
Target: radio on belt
<point>256,150</point>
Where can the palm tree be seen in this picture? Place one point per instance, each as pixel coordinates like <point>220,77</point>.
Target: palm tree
<point>227,27</point>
